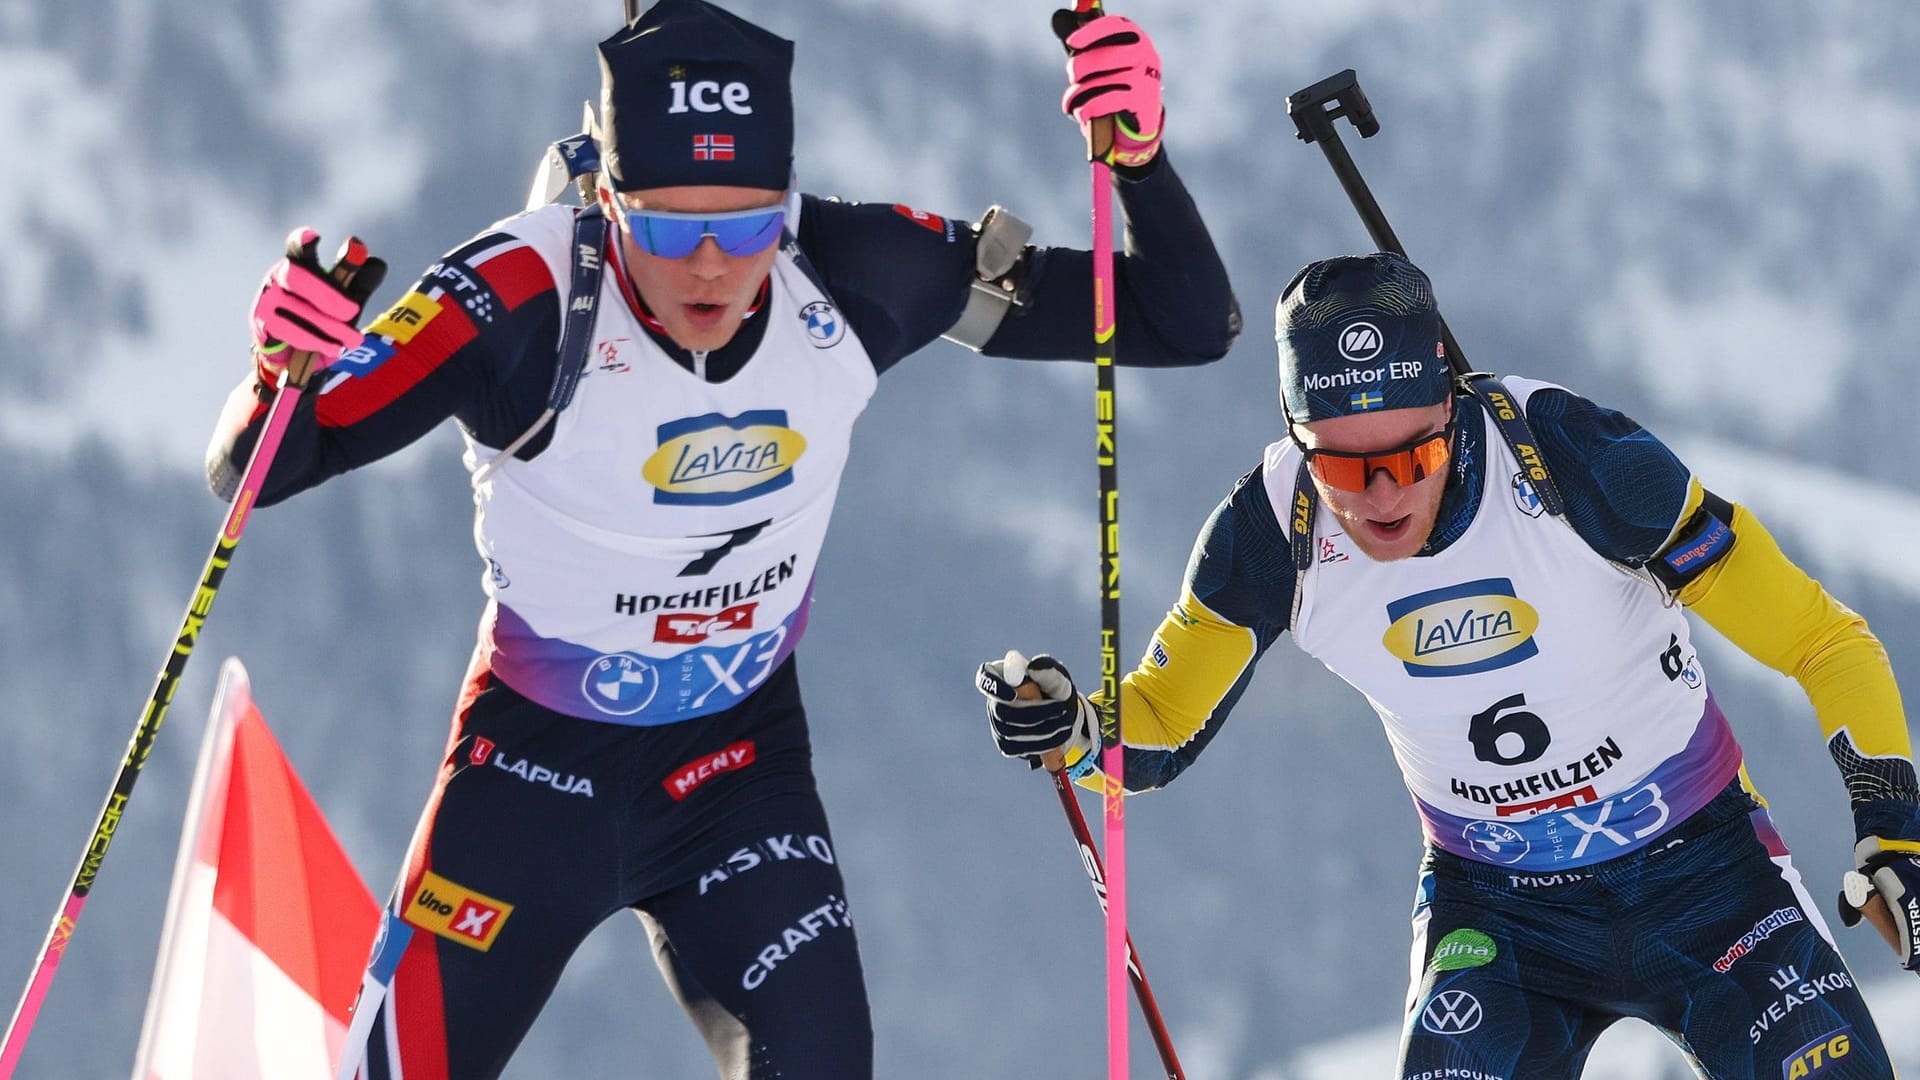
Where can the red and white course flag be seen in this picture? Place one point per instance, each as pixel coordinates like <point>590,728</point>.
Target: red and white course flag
<point>268,924</point>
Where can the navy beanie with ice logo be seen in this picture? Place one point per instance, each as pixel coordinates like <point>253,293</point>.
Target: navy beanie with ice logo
<point>691,94</point>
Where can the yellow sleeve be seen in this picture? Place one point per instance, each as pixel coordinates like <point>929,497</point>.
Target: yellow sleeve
<point>1177,690</point>
<point>1781,617</point>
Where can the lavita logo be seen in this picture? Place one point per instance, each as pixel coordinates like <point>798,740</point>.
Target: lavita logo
<point>717,460</point>
<point>1462,629</point>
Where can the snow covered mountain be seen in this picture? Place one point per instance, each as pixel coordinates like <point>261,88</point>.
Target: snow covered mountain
<point>1700,214</point>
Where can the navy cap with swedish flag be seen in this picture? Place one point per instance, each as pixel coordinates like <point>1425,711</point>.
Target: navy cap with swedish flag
<point>690,94</point>
<point>1359,334</point>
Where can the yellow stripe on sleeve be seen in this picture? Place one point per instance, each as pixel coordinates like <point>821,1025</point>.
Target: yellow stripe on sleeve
<point>1193,661</point>
<point>1781,617</point>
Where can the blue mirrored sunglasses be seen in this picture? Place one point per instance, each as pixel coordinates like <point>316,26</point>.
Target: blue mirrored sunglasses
<point>675,236</point>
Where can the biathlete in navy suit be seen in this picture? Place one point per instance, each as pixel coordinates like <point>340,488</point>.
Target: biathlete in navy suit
<point>631,735</point>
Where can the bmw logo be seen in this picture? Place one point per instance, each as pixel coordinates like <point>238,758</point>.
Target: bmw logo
<point>825,327</point>
<point>1526,497</point>
<point>620,684</point>
<point>1495,842</point>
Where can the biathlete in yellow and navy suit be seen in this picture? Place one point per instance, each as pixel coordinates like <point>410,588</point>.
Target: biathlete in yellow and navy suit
<point>1495,565</point>
<point>632,736</point>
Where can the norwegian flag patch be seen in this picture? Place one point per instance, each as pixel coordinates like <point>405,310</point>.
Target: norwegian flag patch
<point>713,148</point>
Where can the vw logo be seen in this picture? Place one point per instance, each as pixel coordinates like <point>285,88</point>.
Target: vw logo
<point>1451,1012</point>
<point>1361,342</point>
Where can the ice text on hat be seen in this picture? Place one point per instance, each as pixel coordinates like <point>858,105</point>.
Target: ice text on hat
<point>699,98</point>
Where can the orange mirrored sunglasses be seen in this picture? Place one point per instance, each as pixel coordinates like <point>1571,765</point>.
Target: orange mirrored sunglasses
<point>1407,464</point>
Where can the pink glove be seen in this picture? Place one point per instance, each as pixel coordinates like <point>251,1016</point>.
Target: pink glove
<point>300,310</point>
<point>1114,71</point>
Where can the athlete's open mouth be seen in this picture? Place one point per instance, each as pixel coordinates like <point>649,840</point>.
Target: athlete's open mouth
<point>704,316</point>
<point>1388,529</point>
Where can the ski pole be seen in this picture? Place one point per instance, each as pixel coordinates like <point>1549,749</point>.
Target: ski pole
<point>1090,859</point>
<point>1054,761</point>
<point>1314,110</point>
<point>1099,143</point>
<point>353,255</point>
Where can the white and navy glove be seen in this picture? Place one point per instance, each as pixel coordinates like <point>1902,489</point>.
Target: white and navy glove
<point>1889,869</point>
<point>1050,715</point>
